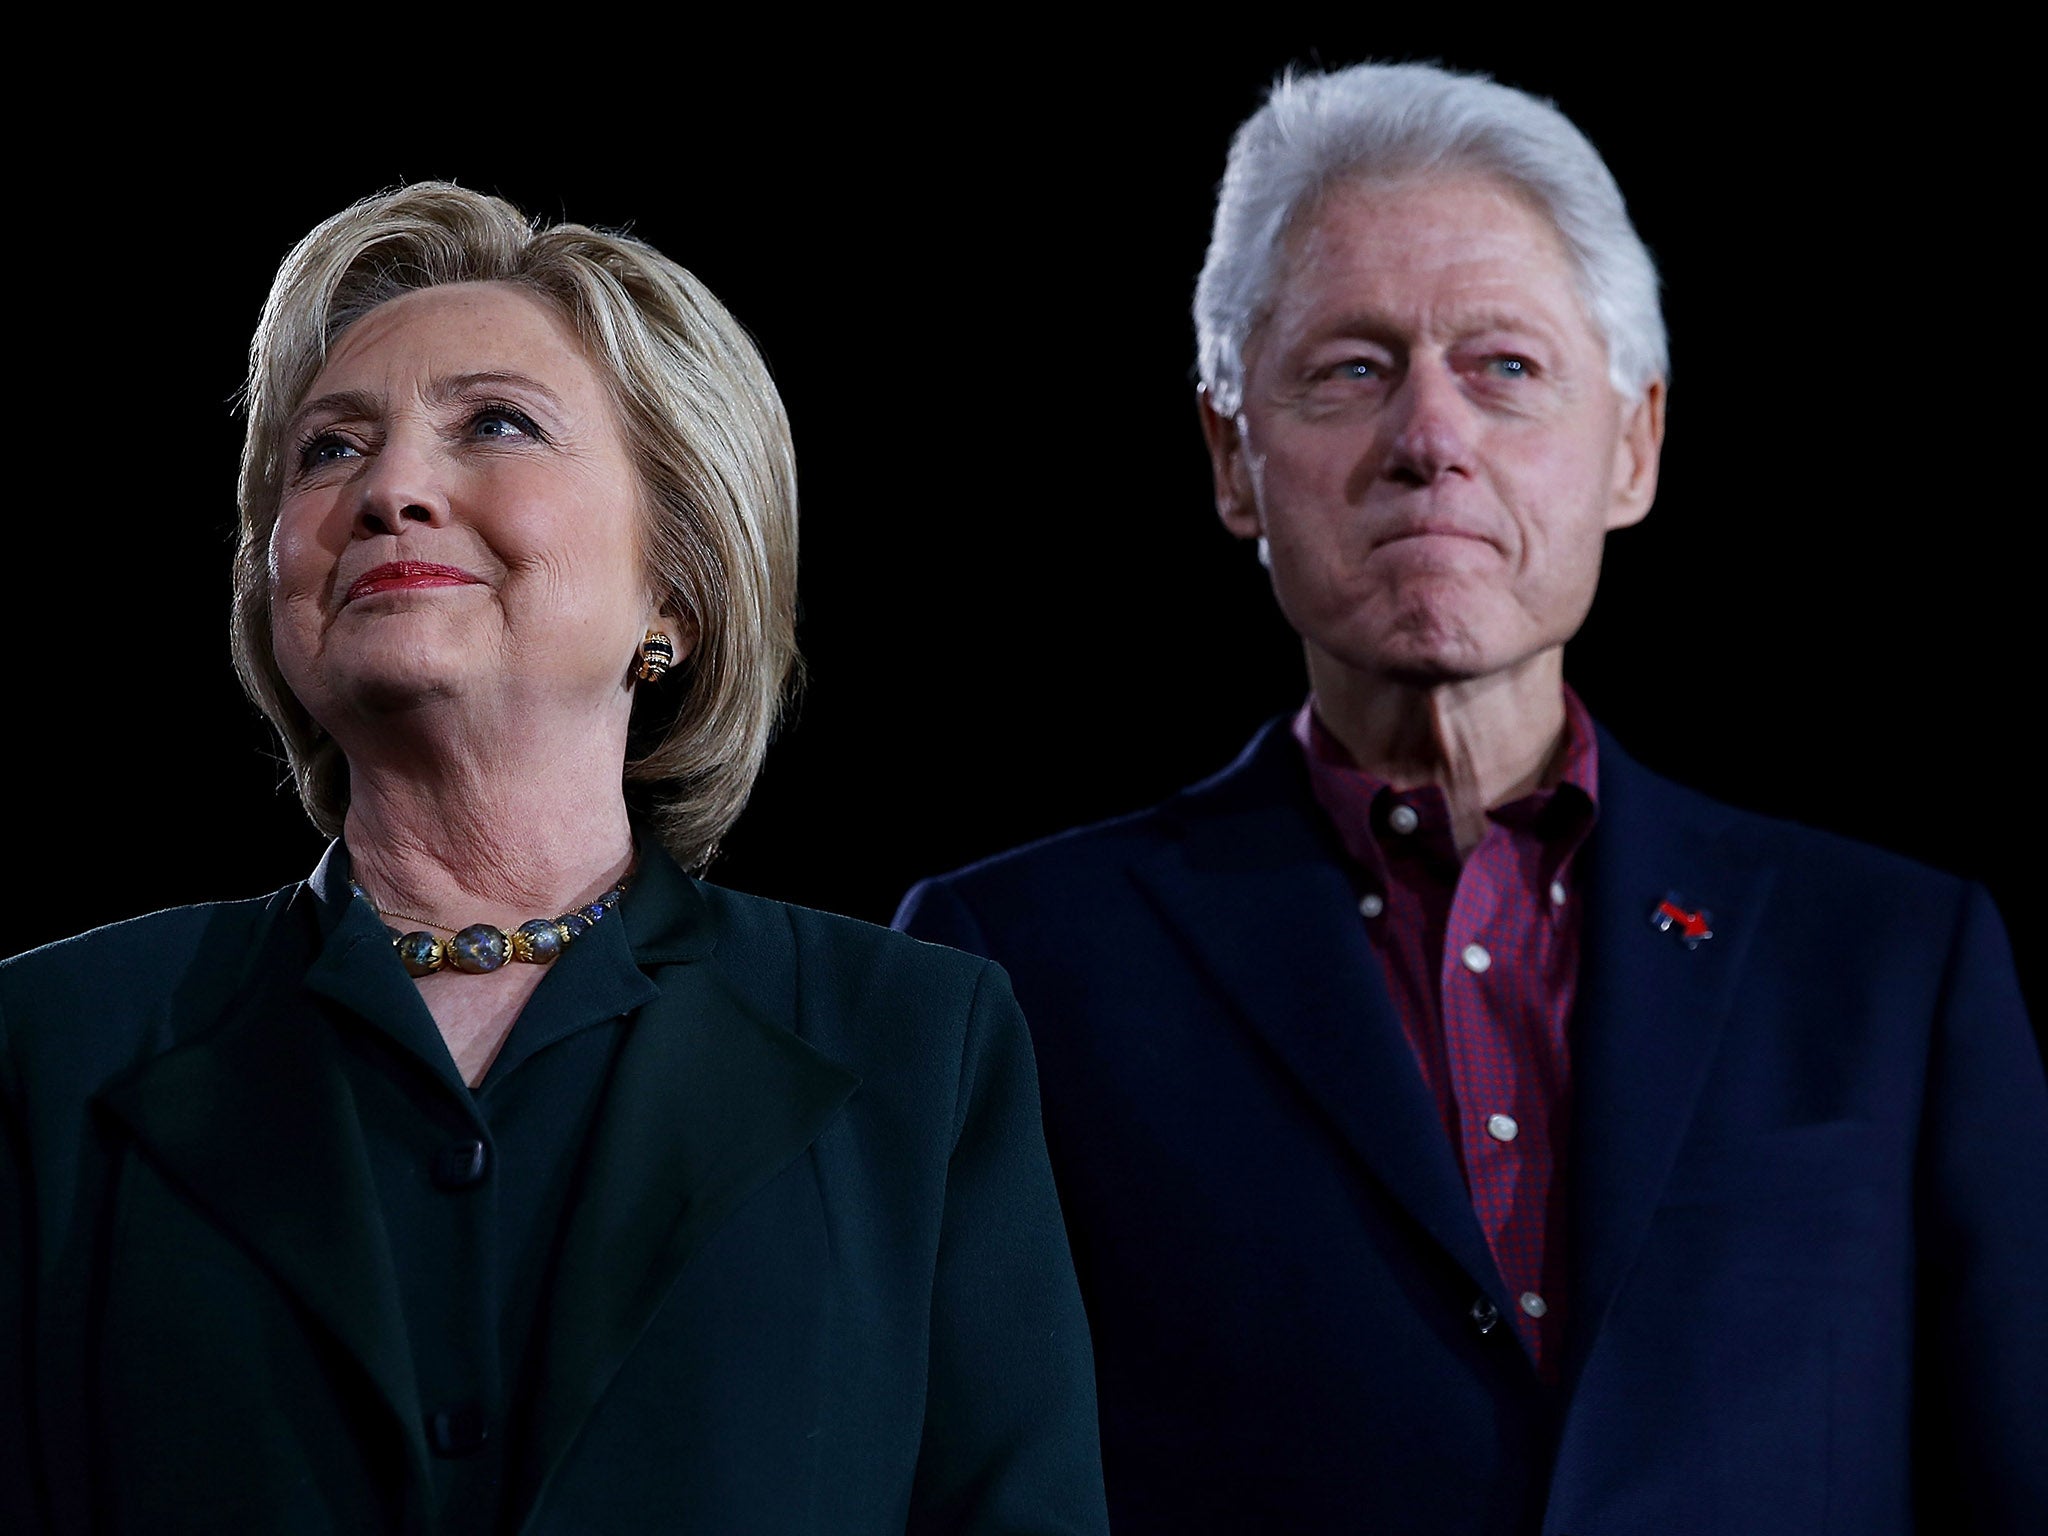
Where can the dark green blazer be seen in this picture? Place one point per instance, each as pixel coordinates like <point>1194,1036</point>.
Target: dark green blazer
<point>813,1277</point>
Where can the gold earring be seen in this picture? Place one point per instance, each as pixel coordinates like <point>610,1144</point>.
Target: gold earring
<point>657,655</point>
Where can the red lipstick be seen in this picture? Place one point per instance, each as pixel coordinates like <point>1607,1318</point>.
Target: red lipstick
<point>406,575</point>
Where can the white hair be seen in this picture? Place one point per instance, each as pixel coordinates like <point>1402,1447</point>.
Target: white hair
<point>1399,122</point>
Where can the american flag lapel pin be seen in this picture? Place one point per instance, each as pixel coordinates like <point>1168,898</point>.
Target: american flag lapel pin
<point>1689,925</point>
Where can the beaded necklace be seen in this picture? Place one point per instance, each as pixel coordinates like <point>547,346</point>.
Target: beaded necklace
<point>481,948</point>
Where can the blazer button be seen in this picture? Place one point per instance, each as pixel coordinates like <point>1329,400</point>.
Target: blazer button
<point>1485,1314</point>
<point>456,1430</point>
<point>460,1165</point>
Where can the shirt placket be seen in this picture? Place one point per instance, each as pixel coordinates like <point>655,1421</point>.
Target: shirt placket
<point>1489,1073</point>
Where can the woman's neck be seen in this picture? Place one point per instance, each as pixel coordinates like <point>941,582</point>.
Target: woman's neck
<point>464,838</point>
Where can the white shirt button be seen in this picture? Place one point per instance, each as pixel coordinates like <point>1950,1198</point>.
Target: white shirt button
<point>1533,1304</point>
<point>1403,819</point>
<point>1372,904</point>
<point>1502,1127</point>
<point>1557,893</point>
<point>1475,957</point>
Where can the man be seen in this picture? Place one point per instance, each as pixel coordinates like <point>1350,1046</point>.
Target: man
<point>1459,1127</point>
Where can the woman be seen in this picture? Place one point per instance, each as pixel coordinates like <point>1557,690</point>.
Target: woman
<point>501,1176</point>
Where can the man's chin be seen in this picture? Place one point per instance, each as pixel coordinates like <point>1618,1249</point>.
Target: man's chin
<point>1432,673</point>
<point>1426,656</point>
<point>1443,660</point>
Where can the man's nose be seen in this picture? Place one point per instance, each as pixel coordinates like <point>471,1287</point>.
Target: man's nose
<point>1432,427</point>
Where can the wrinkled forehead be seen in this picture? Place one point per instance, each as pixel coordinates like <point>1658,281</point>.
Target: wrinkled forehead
<point>505,325</point>
<point>1367,233</point>
<point>1405,215</point>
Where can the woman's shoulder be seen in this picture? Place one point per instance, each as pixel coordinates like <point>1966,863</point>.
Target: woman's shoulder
<point>916,1022</point>
<point>876,1000</point>
<point>845,953</point>
<point>144,966</point>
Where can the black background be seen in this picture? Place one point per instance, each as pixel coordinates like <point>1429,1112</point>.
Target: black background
<point>970,270</point>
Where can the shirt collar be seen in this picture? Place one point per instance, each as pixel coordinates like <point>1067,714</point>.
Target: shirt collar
<point>1359,803</point>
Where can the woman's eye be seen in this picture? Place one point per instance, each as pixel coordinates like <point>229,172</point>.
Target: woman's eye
<point>502,421</point>
<point>1510,368</point>
<point>324,449</point>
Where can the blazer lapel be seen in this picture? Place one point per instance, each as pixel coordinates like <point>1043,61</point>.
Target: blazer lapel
<point>1650,1015</point>
<point>255,1124</point>
<point>1257,890</point>
<point>708,1101</point>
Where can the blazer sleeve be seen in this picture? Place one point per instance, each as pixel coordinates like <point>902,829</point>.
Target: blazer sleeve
<point>1010,1442</point>
<point>1983,1240</point>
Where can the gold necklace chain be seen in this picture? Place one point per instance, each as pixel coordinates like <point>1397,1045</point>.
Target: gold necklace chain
<point>425,922</point>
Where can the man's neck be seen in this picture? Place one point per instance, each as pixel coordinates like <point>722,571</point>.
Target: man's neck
<point>1483,741</point>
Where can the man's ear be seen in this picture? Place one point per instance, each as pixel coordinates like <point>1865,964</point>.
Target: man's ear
<point>1636,454</point>
<point>1235,502</point>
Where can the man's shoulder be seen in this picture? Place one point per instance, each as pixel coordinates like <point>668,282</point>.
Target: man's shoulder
<point>1090,847</point>
<point>1253,781</point>
<point>1066,894</point>
<point>1820,877</point>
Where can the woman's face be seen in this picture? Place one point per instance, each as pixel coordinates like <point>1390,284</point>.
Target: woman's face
<point>460,522</point>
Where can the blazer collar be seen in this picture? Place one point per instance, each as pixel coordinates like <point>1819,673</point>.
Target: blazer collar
<point>668,919</point>
<point>253,1122</point>
<point>1650,1015</point>
<point>1257,885</point>
<point>710,1098</point>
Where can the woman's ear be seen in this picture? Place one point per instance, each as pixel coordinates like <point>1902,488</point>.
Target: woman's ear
<point>681,629</point>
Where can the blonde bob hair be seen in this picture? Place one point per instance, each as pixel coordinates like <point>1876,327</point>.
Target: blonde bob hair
<point>704,425</point>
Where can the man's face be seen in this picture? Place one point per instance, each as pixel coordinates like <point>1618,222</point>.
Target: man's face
<point>1429,443</point>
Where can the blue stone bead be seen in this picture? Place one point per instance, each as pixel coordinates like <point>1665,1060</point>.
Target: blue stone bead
<point>420,952</point>
<point>574,924</point>
<point>538,941</point>
<point>478,948</point>
<point>595,912</point>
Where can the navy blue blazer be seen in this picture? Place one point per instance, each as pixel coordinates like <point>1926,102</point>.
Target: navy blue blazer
<point>1807,1184</point>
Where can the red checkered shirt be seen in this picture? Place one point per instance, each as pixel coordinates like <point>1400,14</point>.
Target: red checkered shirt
<point>1482,960</point>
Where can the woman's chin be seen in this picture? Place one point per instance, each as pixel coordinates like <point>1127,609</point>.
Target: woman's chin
<point>401,667</point>
<point>381,693</point>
